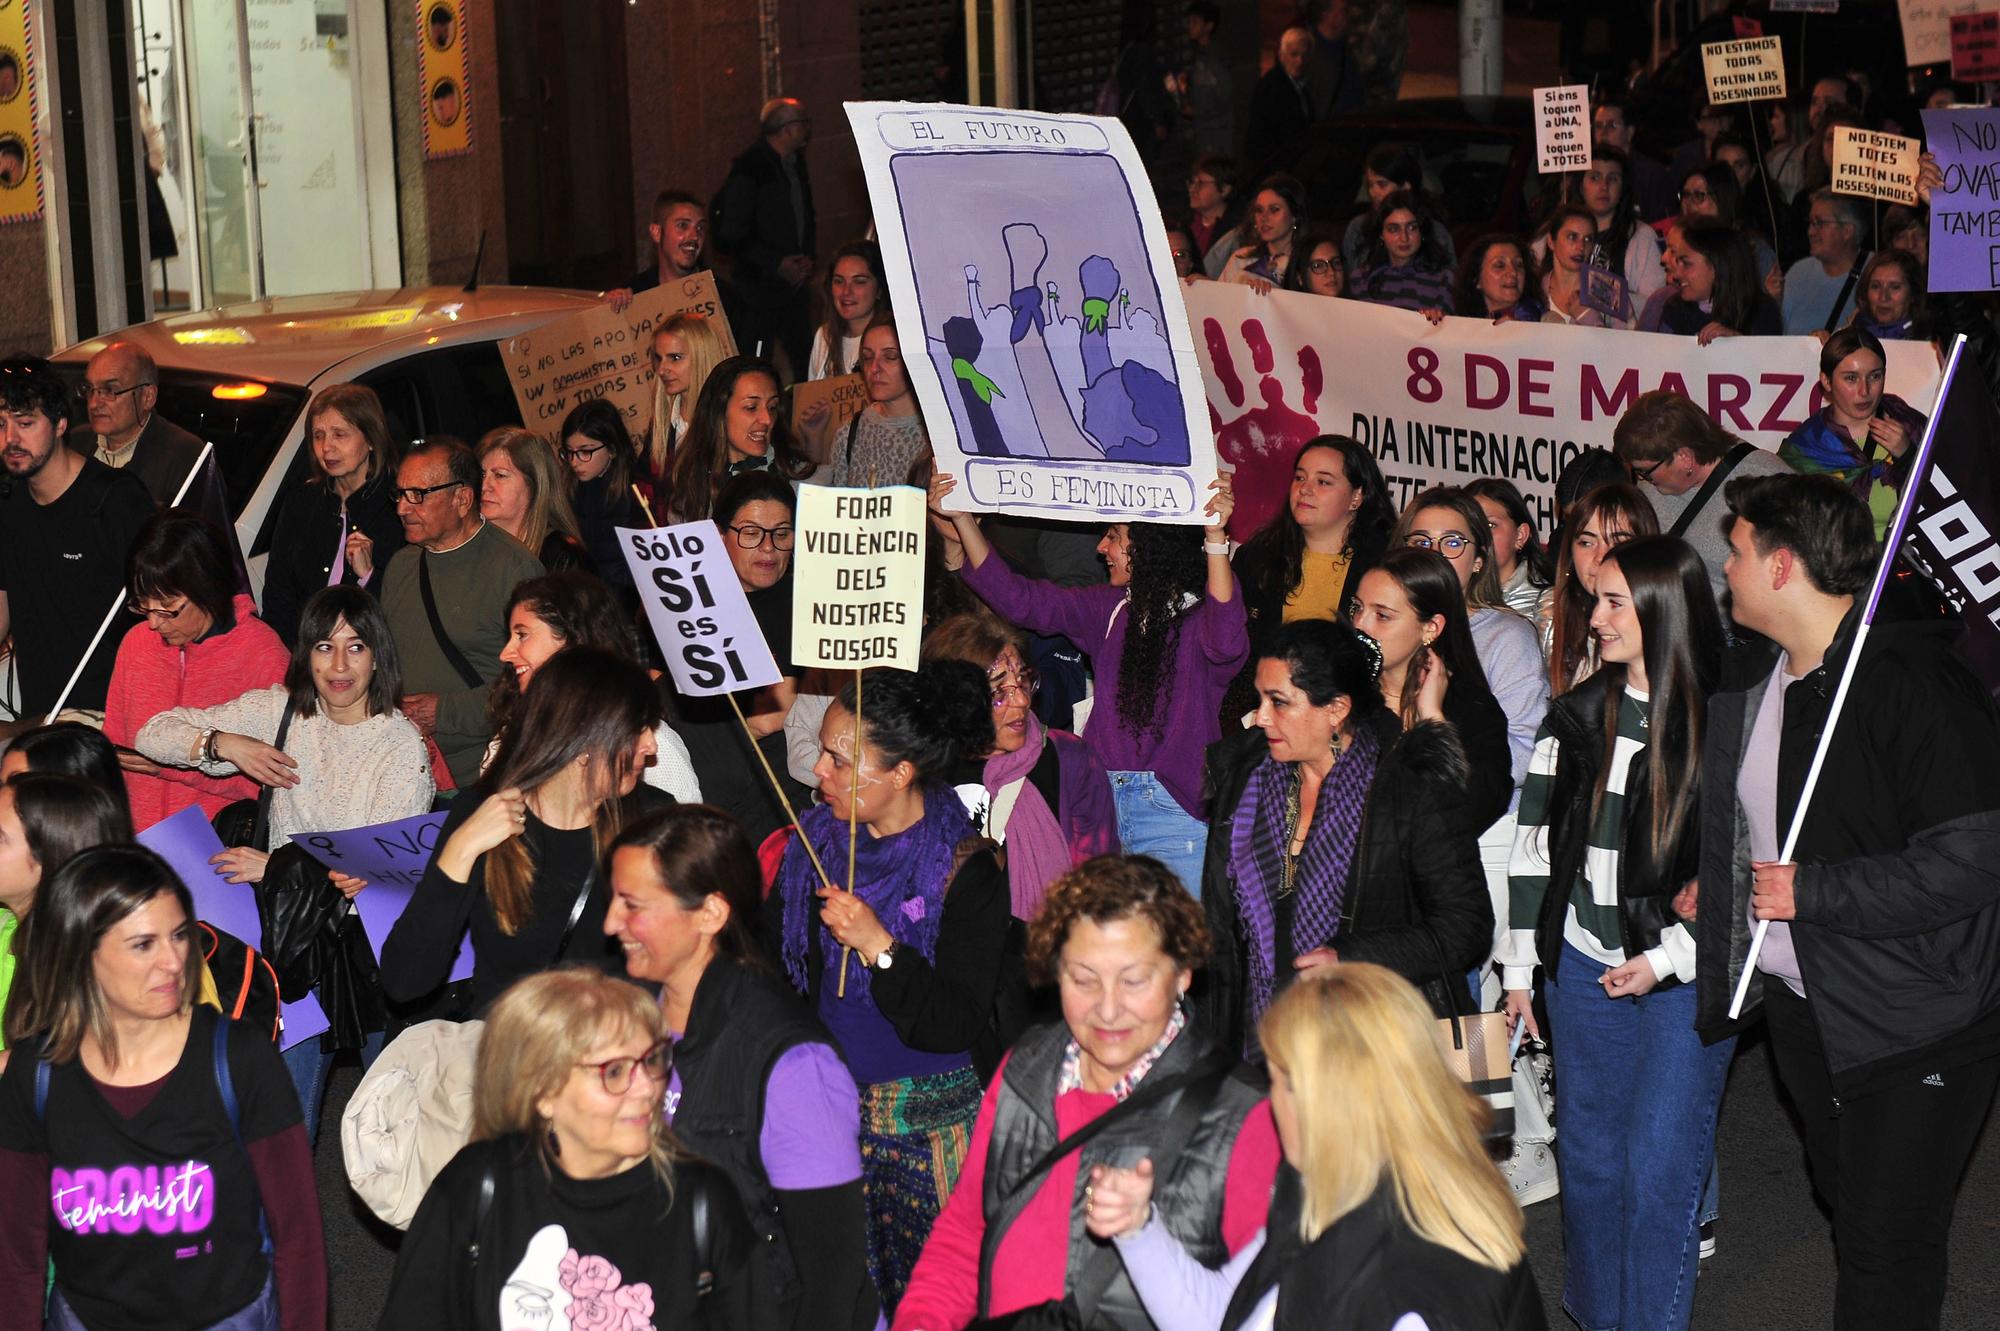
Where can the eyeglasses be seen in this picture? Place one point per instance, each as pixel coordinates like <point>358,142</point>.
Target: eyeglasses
<point>1317,266</point>
<point>1451,545</point>
<point>749,535</point>
<point>578,454</point>
<point>1821,223</point>
<point>1010,688</point>
<point>1645,473</point>
<point>158,616</point>
<point>92,392</point>
<point>616,1073</point>
<point>416,494</point>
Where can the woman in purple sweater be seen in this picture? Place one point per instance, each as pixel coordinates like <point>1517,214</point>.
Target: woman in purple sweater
<point>1164,639</point>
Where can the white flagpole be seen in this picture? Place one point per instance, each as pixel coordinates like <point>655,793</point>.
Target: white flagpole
<point>1905,510</point>
<point>104,625</point>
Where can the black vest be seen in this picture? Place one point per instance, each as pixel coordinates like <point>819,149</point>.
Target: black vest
<point>741,1021</point>
<point>1187,1193</point>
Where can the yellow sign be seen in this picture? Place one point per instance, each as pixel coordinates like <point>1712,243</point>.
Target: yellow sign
<point>858,593</point>
<point>442,68</point>
<point>1747,70</point>
<point>20,150</point>
<point>1875,166</point>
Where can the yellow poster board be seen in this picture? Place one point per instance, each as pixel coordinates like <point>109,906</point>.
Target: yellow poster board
<point>20,150</point>
<point>1875,166</point>
<point>1746,70</point>
<point>443,78</point>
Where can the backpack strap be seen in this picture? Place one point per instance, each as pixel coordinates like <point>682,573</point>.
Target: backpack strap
<point>481,1209</point>
<point>444,642</point>
<point>226,1083</point>
<point>42,1088</point>
<point>704,1235</point>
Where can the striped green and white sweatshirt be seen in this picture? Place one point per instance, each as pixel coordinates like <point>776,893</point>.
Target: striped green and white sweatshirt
<point>1591,923</point>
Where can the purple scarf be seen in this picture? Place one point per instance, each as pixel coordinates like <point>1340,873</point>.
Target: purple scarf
<point>1037,850</point>
<point>902,878</point>
<point>1259,835</point>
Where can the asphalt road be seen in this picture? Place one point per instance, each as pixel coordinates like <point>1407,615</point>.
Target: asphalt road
<point>1773,1270</point>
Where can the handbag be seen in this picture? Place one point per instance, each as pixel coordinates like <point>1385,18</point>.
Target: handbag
<point>1074,1310</point>
<point>1476,1049</point>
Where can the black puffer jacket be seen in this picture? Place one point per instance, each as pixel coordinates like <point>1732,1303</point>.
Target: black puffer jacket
<point>1898,884</point>
<point>1416,897</point>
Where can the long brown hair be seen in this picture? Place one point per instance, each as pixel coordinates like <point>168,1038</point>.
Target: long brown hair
<point>582,704</point>
<point>703,460</point>
<point>1621,507</point>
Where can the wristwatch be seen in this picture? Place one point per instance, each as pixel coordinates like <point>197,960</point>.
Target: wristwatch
<point>887,956</point>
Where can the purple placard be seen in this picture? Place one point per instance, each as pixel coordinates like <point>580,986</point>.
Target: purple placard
<point>392,858</point>
<point>1965,241</point>
<point>188,843</point>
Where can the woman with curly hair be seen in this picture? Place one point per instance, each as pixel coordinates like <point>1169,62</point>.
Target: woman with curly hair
<point>1168,628</point>
<point>739,425</point>
<point>1496,280</point>
<point>1402,264</point>
<point>1121,940</point>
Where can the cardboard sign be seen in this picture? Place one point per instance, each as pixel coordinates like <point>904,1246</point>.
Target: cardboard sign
<point>1965,210</point>
<point>1875,166</point>
<point>392,858</point>
<point>859,598</point>
<point>20,155</point>
<point>1747,70</point>
<point>187,843</point>
<point>1975,47</point>
<point>602,353</point>
<point>842,396</point>
<point>443,80</point>
<point>699,613</point>
<point>1562,128</point>
<point>1927,27</point>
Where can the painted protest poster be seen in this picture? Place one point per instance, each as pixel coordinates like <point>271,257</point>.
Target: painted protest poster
<point>1965,209</point>
<point>603,353</point>
<point>1746,70</point>
<point>1444,405</point>
<point>1927,27</point>
<point>1040,317</point>
<point>699,612</point>
<point>391,858</point>
<point>1874,165</point>
<point>187,842</point>
<point>1562,128</point>
<point>859,594</point>
<point>1975,47</point>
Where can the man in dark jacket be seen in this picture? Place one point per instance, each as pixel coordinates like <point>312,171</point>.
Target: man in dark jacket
<point>1880,975</point>
<point>121,388</point>
<point>1281,106</point>
<point>764,220</point>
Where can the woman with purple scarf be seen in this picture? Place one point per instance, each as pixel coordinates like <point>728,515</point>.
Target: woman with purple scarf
<point>1862,437</point>
<point>1338,835</point>
<point>1038,792</point>
<point>905,969</point>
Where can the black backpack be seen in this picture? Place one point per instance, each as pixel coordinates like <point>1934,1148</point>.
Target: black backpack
<point>245,984</point>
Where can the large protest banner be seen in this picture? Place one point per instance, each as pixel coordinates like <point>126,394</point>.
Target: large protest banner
<point>1444,404</point>
<point>1965,210</point>
<point>603,353</point>
<point>1040,317</point>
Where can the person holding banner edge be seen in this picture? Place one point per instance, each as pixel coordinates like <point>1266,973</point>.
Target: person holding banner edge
<point>1880,975</point>
<point>1169,630</point>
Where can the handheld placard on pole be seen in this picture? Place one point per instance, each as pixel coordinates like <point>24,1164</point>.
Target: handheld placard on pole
<point>118,603</point>
<point>853,810</point>
<point>779,790</point>
<point>1906,508</point>
<point>644,507</point>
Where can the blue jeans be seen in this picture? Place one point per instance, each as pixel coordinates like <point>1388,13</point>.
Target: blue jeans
<point>1636,1097</point>
<point>1151,822</point>
<point>308,1065</point>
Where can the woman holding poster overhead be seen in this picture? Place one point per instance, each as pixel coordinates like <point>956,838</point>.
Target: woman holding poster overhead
<point>904,969</point>
<point>1165,636</point>
<point>332,752</point>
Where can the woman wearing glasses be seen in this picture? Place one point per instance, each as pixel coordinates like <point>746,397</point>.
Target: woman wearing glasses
<point>1322,271</point>
<point>573,1205</point>
<point>1043,795</point>
<point>201,644</point>
<point>887,438</point>
<point>598,450</point>
<point>756,1084</point>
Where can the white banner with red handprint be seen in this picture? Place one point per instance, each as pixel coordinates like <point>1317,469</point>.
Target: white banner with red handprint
<point>1447,403</point>
<point>1039,314</point>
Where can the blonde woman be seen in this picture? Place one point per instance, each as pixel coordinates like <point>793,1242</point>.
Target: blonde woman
<point>572,1205</point>
<point>522,492</point>
<point>1394,1216</point>
<point>683,351</point>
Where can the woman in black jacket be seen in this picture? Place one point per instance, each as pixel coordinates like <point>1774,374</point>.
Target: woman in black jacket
<point>1307,561</point>
<point>1609,833</point>
<point>1337,836</point>
<point>757,1086</point>
<point>600,455</point>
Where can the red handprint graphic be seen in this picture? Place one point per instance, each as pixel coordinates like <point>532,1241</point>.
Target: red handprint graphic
<point>1261,441</point>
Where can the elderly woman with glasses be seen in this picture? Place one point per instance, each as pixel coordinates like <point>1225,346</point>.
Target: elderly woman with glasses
<point>1040,792</point>
<point>573,1205</point>
<point>201,644</point>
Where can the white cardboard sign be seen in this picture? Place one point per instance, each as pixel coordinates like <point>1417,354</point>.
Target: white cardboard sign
<point>697,609</point>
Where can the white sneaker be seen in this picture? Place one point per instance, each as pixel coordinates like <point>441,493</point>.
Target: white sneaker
<point>1532,1172</point>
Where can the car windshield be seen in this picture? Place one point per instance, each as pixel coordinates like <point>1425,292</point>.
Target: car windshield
<point>245,419</point>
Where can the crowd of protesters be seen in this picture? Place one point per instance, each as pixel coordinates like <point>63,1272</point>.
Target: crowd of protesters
<point>1091,974</point>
